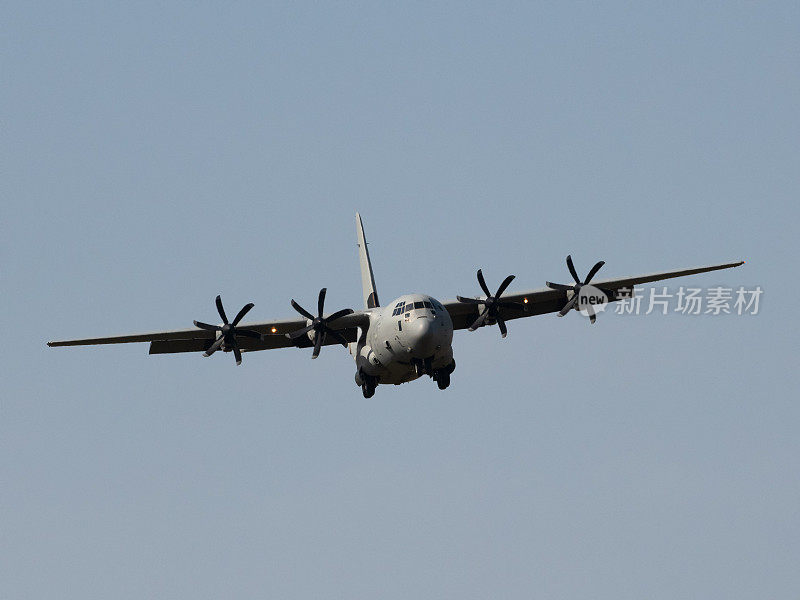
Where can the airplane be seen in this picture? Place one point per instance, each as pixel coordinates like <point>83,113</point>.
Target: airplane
<point>404,340</point>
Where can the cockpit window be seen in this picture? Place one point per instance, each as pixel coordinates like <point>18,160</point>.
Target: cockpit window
<point>402,307</point>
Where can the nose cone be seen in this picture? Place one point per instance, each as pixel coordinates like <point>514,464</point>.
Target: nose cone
<point>424,339</point>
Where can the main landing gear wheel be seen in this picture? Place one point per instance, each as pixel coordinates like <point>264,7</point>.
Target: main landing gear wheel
<point>443,380</point>
<point>368,386</point>
<point>442,376</point>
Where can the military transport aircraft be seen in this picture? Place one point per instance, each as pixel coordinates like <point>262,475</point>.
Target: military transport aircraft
<point>399,342</point>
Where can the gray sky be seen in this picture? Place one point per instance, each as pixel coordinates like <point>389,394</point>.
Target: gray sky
<point>157,155</point>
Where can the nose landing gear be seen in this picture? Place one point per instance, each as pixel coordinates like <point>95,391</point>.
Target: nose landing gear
<point>423,366</point>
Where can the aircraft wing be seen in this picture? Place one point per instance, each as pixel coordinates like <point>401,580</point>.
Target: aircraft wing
<point>547,300</point>
<point>199,340</point>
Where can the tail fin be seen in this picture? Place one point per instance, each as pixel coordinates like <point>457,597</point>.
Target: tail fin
<point>367,279</point>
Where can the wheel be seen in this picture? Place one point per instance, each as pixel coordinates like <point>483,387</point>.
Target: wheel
<point>443,380</point>
<point>369,385</point>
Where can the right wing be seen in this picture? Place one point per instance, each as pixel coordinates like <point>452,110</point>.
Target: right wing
<point>547,300</point>
<point>199,340</point>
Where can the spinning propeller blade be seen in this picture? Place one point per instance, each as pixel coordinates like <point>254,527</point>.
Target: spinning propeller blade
<point>228,332</point>
<point>319,325</point>
<point>576,287</point>
<point>492,304</point>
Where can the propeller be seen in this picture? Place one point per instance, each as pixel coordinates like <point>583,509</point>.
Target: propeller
<point>229,331</point>
<point>576,287</point>
<point>319,324</point>
<point>492,304</point>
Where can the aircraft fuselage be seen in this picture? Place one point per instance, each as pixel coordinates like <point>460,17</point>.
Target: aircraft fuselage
<point>410,337</point>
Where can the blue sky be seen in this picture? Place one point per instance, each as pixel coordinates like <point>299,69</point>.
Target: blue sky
<point>155,155</point>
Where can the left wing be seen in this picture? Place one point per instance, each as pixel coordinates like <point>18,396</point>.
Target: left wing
<point>198,340</point>
<point>548,300</point>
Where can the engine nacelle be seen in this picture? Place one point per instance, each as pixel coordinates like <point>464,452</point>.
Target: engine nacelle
<point>367,360</point>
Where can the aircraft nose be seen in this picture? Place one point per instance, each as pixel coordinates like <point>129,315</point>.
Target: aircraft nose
<point>424,344</point>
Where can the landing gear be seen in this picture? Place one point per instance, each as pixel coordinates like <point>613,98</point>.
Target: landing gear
<point>368,385</point>
<point>423,367</point>
<point>442,380</point>
<point>419,368</point>
<point>442,376</point>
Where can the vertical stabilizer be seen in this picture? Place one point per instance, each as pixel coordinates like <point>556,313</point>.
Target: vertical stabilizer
<point>367,279</point>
